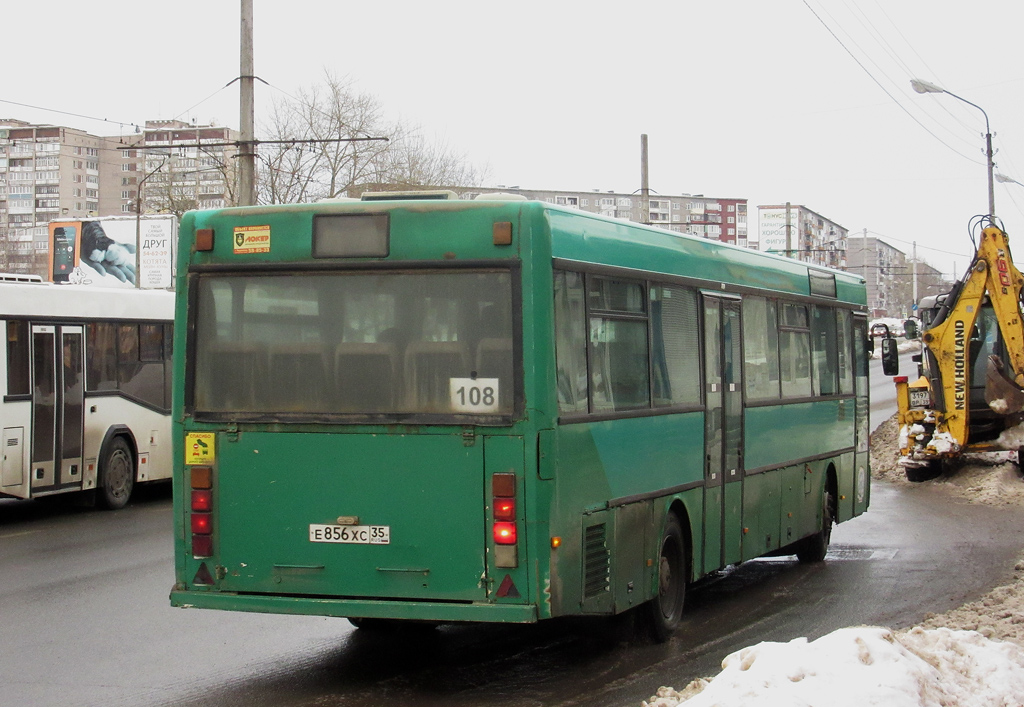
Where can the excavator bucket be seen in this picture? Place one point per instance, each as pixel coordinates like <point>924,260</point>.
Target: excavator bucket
<point>1002,393</point>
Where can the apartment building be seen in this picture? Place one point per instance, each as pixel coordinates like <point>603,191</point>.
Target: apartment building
<point>717,219</point>
<point>50,172</point>
<point>187,166</point>
<point>892,278</point>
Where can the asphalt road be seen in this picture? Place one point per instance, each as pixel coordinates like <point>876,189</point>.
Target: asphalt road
<point>882,389</point>
<point>85,618</point>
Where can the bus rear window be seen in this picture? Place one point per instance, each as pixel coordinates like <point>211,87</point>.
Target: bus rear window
<point>365,343</point>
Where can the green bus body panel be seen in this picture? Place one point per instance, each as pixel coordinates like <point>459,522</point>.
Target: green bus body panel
<point>342,608</point>
<point>778,434</point>
<point>429,490</point>
<point>630,456</point>
<point>616,243</point>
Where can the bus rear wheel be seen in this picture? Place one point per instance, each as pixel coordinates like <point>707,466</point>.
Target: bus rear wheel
<point>815,547</point>
<point>665,611</point>
<point>117,475</point>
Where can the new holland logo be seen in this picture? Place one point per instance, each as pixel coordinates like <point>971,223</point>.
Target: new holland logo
<point>960,365</point>
<point>252,239</point>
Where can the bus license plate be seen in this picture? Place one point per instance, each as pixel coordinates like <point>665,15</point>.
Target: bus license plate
<point>919,398</point>
<point>355,534</point>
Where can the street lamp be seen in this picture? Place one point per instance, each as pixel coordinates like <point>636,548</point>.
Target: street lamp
<point>928,87</point>
<point>1003,179</point>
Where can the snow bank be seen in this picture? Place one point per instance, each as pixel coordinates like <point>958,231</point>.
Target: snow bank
<point>864,667</point>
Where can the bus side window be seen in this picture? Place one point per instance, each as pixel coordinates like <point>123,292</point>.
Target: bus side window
<point>101,356</point>
<point>18,382</point>
<point>570,342</point>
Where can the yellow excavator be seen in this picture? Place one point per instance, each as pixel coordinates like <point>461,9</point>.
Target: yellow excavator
<point>969,396</point>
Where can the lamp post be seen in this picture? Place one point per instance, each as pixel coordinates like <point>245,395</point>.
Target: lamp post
<point>927,87</point>
<point>1003,179</point>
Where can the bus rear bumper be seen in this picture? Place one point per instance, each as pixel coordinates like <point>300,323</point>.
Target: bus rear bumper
<point>355,608</point>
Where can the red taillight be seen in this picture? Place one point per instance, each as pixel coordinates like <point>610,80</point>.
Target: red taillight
<point>202,546</point>
<point>201,481</point>
<point>504,530</point>
<point>202,500</point>
<point>504,509</point>
<point>505,533</point>
<point>202,523</point>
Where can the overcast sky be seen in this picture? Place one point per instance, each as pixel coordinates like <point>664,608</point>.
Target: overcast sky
<point>768,100</point>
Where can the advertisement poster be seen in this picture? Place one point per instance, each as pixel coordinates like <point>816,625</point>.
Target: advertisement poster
<point>114,252</point>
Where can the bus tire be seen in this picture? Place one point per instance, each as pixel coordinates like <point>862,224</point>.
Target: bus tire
<point>117,475</point>
<point>814,548</point>
<point>665,611</point>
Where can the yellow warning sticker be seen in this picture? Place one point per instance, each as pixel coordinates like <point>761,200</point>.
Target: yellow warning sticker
<point>199,448</point>
<point>252,239</point>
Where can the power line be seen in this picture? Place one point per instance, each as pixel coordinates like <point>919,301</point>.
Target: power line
<point>879,84</point>
<point>76,115</point>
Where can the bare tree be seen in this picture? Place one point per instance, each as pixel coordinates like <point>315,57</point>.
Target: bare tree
<point>176,184</point>
<point>319,146</point>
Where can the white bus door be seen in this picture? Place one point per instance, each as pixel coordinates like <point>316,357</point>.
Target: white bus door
<point>58,407</point>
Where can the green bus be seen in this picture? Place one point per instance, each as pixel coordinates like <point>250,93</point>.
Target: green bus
<point>414,407</point>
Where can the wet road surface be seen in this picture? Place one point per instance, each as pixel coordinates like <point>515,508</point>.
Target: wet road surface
<point>86,619</point>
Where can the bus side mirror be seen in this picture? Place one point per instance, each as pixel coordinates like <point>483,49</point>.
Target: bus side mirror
<point>890,356</point>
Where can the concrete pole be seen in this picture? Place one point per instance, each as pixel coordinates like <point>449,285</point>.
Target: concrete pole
<point>247,111</point>
<point>789,232</point>
<point>645,184</point>
<point>914,265</point>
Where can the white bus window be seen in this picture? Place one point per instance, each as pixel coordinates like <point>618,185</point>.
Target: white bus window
<point>18,382</point>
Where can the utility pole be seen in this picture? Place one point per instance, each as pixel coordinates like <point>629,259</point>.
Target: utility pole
<point>913,303</point>
<point>645,185</point>
<point>247,118</point>
<point>789,231</point>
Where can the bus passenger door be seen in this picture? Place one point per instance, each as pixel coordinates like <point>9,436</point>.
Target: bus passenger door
<point>723,461</point>
<point>58,387</point>
<point>72,423</point>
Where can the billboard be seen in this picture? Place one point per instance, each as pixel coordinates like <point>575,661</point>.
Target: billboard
<point>114,252</point>
<point>772,231</point>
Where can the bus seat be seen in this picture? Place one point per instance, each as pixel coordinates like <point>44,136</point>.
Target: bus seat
<point>494,357</point>
<point>366,376</point>
<point>297,377</point>
<point>237,372</point>
<point>429,365</point>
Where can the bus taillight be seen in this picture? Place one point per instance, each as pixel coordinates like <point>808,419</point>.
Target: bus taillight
<point>202,500</point>
<point>201,478</point>
<point>504,509</point>
<point>504,530</point>
<point>505,533</point>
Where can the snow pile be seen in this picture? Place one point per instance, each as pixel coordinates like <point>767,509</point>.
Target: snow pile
<point>998,615</point>
<point>862,667</point>
<point>992,478</point>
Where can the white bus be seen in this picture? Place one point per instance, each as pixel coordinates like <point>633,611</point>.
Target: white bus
<point>86,390</point>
